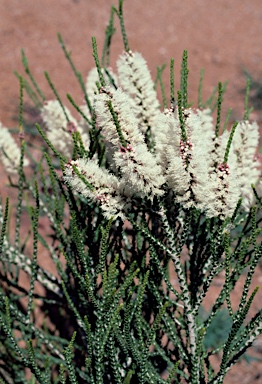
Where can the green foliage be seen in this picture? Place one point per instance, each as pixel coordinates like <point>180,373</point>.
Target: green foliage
<point>111,311</point>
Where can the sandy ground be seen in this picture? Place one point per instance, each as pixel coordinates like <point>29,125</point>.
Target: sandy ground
<point>223,36</point>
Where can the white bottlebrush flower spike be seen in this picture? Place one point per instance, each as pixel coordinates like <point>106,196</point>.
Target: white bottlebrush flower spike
<point>135,79</point>
<point>194,168</point>
<point>9,151</point>
<point>138,166</point>
<point>186,162</point>
<point>245,145</point>
<point>216,152</point>
<point>224,193</point>
<point>92,78</point>
<point>91,90</point>
<point>59,130</point>
<point>57,127</point>
<point>104,188</point>
<point>167,132</point>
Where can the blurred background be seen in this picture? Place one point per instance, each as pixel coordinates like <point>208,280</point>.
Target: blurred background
<point>223,37</point>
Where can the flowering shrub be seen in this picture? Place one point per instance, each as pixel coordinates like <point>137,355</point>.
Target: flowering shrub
<point>146,207</point>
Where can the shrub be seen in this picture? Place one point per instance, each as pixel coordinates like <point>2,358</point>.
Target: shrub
<point>142,209</point>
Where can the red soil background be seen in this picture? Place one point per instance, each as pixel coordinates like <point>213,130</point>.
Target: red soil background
<point>223,36</point>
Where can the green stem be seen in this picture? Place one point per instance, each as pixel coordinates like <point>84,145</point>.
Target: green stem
<point>181,117</point>
<point>172,82</point>
<point>219,103</point>
<point>98,66</point>
<point>230,142</point>
<point>119,13</point>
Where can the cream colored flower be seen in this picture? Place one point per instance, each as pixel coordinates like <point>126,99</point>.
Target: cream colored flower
<point>167,134</point>
<point>245,145</point>
<point>194,167</point>
<point>225,193</point>
<point>135,79</point>
<point>104,188</point>
<point>186,161</point>
<point>222,178</point>
<point>10,152</point>
<point>59,130</point>
<point>137,165</point>
<point>93,78</point>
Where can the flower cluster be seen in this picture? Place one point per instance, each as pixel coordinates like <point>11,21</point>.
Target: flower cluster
<point>136,82</point>
<point>184,154</point>
<point>189,161</point>
<point>88,179</point>
<point>10,153</point>
<point>195,167</point>
<point>138,166</point>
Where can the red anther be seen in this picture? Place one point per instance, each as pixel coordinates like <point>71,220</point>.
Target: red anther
<point>129,148</point>
<point>71,127</point>
<point>224,168</point>
<point>102,198</point>
<point>106,91</point>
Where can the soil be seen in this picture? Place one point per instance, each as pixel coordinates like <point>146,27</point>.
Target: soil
<point>223,36</point>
